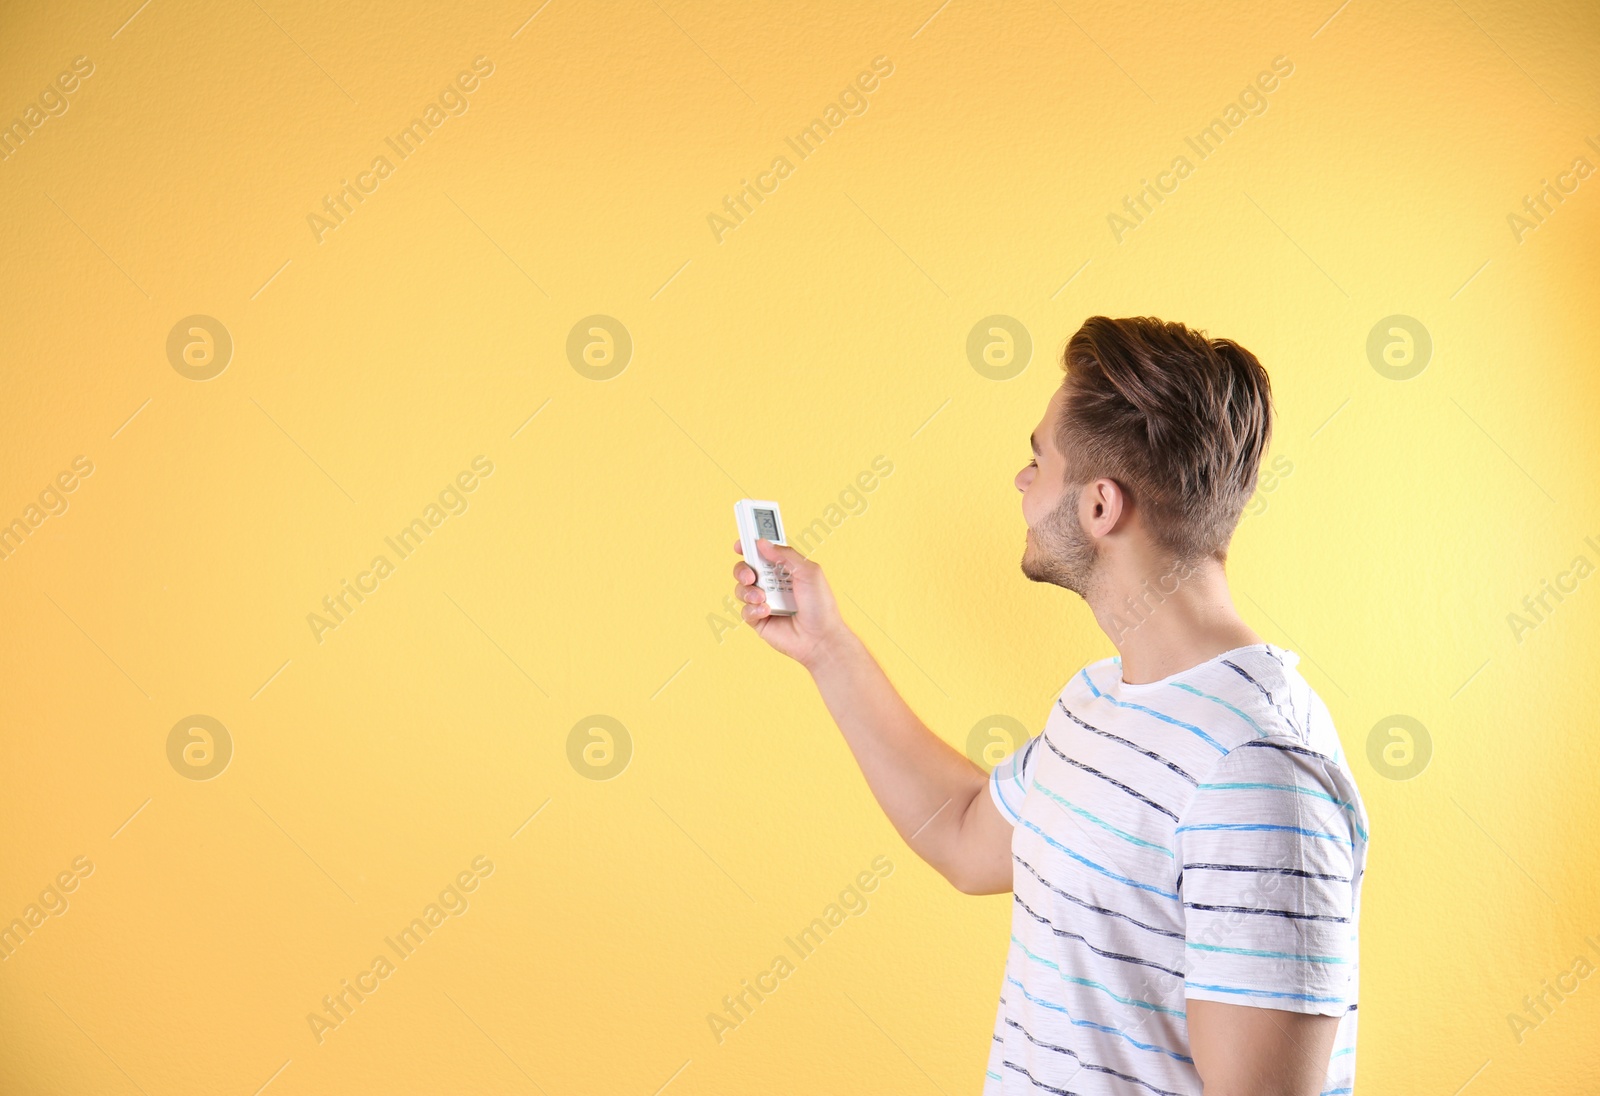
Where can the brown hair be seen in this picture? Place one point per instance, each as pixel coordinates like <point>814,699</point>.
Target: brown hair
<point>1178,420</point>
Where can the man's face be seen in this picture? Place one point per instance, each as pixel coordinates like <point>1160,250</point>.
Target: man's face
<point>1058,549</point>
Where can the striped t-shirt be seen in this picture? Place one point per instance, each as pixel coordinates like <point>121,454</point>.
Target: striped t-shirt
<point>1195,837</point>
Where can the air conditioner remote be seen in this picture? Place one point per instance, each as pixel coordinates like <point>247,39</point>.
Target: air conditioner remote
<point>759,519</point>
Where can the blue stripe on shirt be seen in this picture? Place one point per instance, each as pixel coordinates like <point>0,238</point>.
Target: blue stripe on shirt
<point>1000,792</point>
<point>1104,825</point>
<point>1103,871</point>
<point>1263,826</point>
<point>1150,711</point>
<point>1345,803</point>
<point>1098,1027</point>
<point>1267,993</point>
<point>1065,977</point>
<point>1207,696</point>
<point>1269,954</point>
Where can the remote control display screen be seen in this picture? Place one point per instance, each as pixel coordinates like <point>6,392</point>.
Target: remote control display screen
<point>766,525</point>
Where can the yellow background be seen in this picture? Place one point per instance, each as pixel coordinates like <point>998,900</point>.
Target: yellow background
<point>828,329</point>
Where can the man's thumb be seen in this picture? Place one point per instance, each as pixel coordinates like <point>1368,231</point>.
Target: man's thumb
<point>780,553</point>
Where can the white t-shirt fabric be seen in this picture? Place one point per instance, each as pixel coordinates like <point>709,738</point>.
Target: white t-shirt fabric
<point>1198,837</point>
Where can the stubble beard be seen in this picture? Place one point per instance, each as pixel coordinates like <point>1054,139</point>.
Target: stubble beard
<point>1061,552</point>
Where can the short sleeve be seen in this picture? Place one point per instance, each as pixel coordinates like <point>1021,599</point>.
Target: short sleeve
<point>1010,780</point>
<point>1272,848</point>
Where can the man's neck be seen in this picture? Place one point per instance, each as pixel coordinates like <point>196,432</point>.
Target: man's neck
<point>1164,618</point>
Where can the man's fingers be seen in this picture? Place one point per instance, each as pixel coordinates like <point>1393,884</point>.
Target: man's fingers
<point>738,546</point>
<point>744,573</point>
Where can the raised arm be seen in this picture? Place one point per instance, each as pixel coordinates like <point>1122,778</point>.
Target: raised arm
<point>936,798</point>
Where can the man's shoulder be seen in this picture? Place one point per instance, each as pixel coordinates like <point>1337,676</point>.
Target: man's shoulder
<point>1263,684</point>
<point>1293,741</point>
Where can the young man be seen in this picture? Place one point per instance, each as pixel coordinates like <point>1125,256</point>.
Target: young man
<point>1184,839</point>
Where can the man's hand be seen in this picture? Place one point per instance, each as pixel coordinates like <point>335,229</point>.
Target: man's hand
<point>807,635</point>
<point>936,798</point>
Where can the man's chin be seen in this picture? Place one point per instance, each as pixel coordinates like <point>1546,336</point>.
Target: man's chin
<point>1036,571</point>
<point>1032,569</point>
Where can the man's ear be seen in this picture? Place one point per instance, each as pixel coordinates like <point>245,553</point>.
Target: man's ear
<point>1105,502</point>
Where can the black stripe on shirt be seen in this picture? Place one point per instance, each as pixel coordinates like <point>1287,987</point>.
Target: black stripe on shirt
<point>1151,754</point>
<point>1026,1034</point>
<point>1265,745</point>
<point>1091,906</point>
<point>1038,1083</point>
<point>1092,771</point>
<point>1288,717</point>
<point>1268,912</point>
<point>1280,871</point>
<point>1118,956</point>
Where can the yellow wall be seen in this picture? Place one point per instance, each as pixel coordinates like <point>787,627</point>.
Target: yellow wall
<point>373,362</point>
